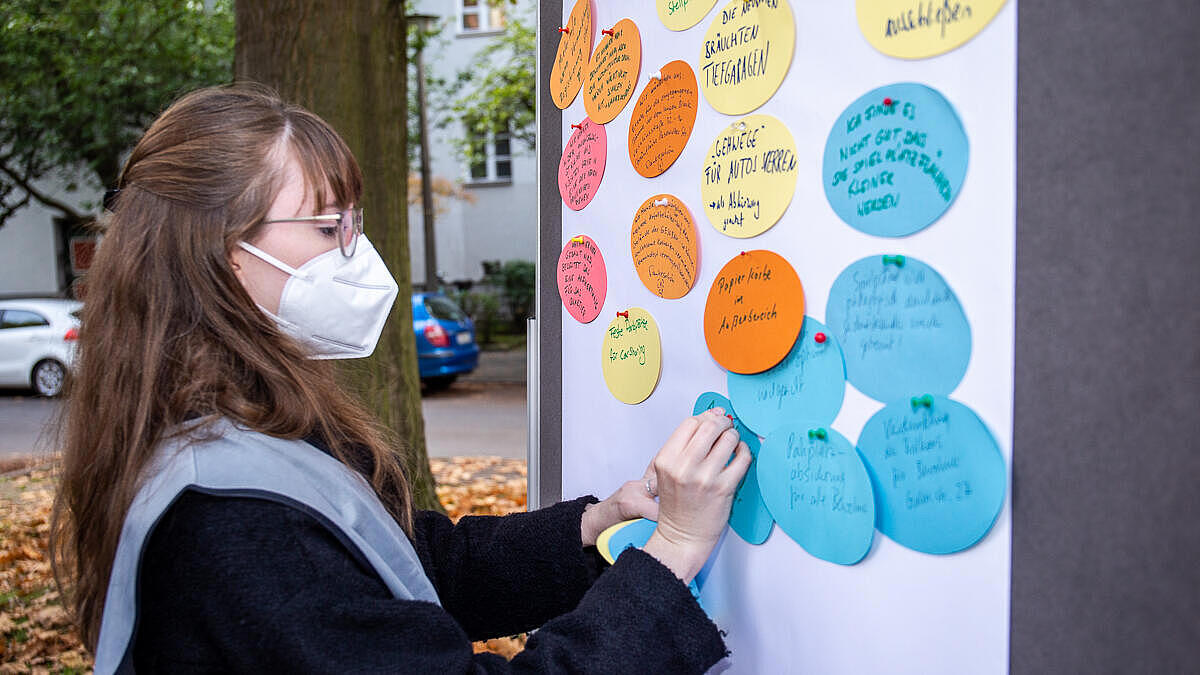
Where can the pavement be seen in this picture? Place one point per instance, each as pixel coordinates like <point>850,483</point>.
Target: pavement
<point>483,413</point>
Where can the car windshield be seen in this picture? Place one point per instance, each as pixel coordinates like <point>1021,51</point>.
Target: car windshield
<point>443,309</point>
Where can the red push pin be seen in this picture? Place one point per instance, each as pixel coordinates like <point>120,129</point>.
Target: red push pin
<point>607,32</point>
<point>729,416</point>
<point>743,253</point>
<point>564,30</point>
<point>624,314</point>
<point>819,338</point>
<point>887,102</point>
<point>577,126</point>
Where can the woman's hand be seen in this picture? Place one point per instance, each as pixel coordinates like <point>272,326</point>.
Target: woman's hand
<point>696,482</point>
<point>634,499</point>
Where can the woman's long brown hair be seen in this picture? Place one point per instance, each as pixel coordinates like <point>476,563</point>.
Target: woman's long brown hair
<point>169,335</point>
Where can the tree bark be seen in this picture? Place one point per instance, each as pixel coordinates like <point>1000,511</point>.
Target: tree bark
<point>348,63</point>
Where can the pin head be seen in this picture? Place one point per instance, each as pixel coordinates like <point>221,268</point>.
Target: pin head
<point>888,101</point>
<point>819,338</point>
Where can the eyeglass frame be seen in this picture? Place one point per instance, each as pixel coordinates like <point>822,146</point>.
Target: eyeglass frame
<point>356,221</point>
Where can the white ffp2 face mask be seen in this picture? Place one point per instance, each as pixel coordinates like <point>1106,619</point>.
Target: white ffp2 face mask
<point>333,305</point>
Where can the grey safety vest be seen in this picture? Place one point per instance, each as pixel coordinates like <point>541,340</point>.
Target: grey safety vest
<point>230,460</point>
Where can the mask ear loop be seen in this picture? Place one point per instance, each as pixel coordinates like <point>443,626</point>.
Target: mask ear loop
<point>272,260</point>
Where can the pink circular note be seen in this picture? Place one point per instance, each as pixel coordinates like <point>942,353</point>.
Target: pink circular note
<point>582,166</point>
<point>582,278</point>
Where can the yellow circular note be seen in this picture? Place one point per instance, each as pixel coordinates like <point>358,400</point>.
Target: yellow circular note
<point>682,14</point>
<point>613,72</point>
<point>749,176</point>
<point>631,356</point>
<point>574,50</point>
<point>917,29</point>
<point>746,54</point>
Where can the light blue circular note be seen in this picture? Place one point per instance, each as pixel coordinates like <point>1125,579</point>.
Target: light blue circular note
<point>809,383</point>
<point>895,160</point>
<point>749,517</point>
<point>938,475</point>
<point>815,485</point>
<point>901,328</point>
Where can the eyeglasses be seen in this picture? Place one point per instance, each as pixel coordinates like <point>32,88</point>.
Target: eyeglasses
<point>349,224</point>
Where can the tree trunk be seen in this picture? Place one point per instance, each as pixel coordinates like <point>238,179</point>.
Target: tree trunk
<point>348,63</point>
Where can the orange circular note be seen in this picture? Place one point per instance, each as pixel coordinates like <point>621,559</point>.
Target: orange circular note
<point>663,119</point>
<point>663,244</point>
<point>613,72</point>
<point>574,50</point>
<point>754,312</point>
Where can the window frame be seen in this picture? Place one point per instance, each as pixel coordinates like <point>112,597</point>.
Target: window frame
<point>492,160</point>
<point>487,12</point>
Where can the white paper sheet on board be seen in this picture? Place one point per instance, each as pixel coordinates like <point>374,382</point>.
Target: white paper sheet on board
<point>785,611</point>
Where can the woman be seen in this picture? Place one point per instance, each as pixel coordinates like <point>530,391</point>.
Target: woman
<point>225,506</point>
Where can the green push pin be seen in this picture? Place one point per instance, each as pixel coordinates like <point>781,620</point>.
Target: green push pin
<point>897,260</point>
<point>925,401</point>
<point>817,433</point>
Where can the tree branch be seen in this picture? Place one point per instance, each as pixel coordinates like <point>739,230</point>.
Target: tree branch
<point>41,196</point>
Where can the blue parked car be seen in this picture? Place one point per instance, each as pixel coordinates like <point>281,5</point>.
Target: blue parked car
<point>445,340</point>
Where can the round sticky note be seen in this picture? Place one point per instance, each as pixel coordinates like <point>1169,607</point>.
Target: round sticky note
<point>809,383</point>
<point>749,517</point>
<point>938,475</point>
<point>582,278</point>
<point>754,311</point>
<point>749,176</point>
<point>582,165</point>
<point>682,14</point>
<point>895,160</point>
<point>631,356</point>
<point>746,54</point>
<point>663,245</point>
<point>662,119</point>
<point>574,50</point>
<point>902,328</point>
<point>613,72</point>
<point>913,29</point>
<point>817,489</point>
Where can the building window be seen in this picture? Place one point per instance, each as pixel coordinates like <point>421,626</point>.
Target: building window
<point>491,158</point>
<point>480,16</point>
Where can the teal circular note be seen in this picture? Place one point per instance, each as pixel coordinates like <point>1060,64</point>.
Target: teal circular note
<point>895,160</point>
<point>938,475</point>
<point>749,517</point>
<point>809,383</point>
<point>901,327</point>
<point>818,491</point>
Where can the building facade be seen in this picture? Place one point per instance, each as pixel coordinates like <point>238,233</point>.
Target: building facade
<point>497,223</point>
<point>501,222</point>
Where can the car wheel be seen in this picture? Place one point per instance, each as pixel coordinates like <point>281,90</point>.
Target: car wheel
<point>48,379</point>
<point>440,383</point>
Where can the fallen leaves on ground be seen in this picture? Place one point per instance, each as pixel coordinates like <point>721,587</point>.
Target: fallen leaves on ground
<point>36,634</point>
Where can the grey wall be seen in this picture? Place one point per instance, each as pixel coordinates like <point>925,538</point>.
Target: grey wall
<point>1106,456</point>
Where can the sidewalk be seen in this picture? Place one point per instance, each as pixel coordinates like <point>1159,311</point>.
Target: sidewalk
<point>499,366</point>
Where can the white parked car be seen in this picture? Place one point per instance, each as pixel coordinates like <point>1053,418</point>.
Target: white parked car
<point>37,343</point>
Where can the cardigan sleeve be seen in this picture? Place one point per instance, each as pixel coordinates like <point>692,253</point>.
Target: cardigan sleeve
<point>238,584</point>
<point>502,575</point>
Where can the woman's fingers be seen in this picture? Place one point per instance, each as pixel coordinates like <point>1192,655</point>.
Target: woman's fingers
<point>722,450</point>
<point>733,473</point>
<point>710,429</point>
